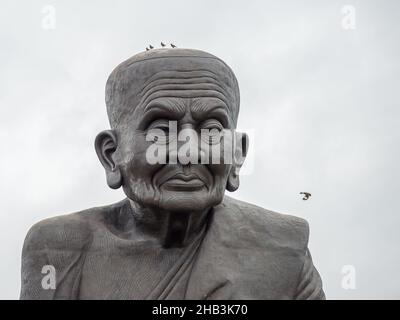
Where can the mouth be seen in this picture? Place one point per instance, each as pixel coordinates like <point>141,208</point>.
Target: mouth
<point>184,182</point>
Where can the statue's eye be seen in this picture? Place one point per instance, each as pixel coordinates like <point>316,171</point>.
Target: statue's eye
<point>212,124</point>
<point>158,132</point>
<point>211,131</point>
<point>157,135</point>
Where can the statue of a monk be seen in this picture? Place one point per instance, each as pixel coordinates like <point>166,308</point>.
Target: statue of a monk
<point>175,235</point>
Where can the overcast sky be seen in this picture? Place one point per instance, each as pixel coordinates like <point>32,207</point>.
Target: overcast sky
<point>319,91</point>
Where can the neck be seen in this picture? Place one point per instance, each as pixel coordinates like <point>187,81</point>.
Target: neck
<point>170,229</point>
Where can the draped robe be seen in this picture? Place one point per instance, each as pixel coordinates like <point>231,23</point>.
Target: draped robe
<point>242,252</point>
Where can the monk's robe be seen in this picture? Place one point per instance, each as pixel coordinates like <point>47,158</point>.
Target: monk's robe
<point>242,252</point>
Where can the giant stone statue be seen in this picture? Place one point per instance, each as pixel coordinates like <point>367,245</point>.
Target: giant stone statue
<point>175,235</point>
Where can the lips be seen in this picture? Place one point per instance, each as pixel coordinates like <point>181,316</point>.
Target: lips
<point>186,177</point>
<point>181,184</point>
<point>182,181</point>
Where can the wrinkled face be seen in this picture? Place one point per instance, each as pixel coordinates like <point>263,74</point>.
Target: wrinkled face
<point>152,99</point>
<point>186,183</point>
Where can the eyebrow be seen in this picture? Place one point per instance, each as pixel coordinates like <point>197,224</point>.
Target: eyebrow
<point>154,108</point>
<point>218,109</point>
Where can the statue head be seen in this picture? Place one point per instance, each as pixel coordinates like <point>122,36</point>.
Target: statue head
<point>153,100</point>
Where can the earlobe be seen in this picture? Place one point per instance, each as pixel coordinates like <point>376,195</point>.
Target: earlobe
<point>114,179</point>
<point>233,181</point>
<point>240,152</point>
<point>105,145</point>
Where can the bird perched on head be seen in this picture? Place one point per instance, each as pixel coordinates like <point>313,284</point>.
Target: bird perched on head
<point>306,195</point>
<point>162,44</point>
<point>173,46</point>
<point>151,47</point>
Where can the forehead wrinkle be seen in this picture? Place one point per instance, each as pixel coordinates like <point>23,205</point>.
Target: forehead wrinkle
<point>179,82</point>
<point>125,83</point>
<point>186,87</point>
<point>193,79</point>
<point>181,74</point>
<point>186,94</point>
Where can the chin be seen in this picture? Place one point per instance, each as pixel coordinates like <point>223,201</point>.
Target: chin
<point>180,201</point>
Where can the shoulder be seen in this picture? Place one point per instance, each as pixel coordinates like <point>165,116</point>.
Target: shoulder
<point>70,231</point>
<point>263,224</point>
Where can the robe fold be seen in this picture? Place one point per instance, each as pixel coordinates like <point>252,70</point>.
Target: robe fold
<point>243,252</point>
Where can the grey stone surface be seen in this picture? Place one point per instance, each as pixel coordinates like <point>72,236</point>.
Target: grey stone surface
<point>176,235</point>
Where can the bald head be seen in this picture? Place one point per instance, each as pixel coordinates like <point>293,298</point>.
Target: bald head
<point>169,73</point>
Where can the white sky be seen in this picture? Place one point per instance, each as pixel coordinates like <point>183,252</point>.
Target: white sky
<point>322,102</point>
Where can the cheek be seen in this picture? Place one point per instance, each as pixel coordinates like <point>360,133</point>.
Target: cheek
<point>221,157</point>
<point>133,161</point>
<point>220,173</point>
<point>221,153</point>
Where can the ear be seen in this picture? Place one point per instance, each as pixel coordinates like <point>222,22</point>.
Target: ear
<point>241,145</point>
<point>106,144</point>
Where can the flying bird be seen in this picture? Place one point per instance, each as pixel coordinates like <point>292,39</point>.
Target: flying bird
<point>151,47</point>
<point>162,44</point>
<point>173,46</point>
<point>306,195</point>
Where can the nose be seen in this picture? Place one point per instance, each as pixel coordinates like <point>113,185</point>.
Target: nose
<point>188,146</point>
